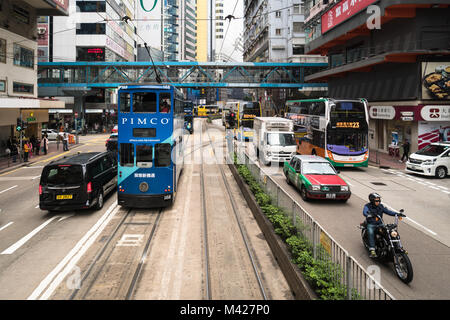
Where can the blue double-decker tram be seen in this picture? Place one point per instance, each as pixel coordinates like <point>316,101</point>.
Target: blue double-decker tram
<point>150,139</point>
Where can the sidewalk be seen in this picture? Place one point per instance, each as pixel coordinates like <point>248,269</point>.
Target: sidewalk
<point>384,160</point>
<point>52,151</point>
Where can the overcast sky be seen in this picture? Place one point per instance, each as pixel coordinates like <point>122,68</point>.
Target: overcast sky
<point>236,27</point>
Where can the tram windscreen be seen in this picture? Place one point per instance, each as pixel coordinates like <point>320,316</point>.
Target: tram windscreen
<point>144,102</point>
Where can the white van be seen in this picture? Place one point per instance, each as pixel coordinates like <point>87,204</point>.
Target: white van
<point>433,160</point>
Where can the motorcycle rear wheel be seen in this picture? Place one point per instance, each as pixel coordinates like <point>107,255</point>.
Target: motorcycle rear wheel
<point>403,267</point>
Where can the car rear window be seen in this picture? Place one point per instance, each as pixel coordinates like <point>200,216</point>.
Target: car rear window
<point>63,175</point>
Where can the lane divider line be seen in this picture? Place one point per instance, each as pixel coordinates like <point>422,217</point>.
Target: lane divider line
<point>8,189</point>
<point>55,277</point>
<point>6,226</point>
<point>25,239</point>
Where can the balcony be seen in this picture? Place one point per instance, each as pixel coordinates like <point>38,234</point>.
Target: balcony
<point>49,7</point>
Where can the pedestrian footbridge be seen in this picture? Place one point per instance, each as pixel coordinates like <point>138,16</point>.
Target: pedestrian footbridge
<point>88,75</point>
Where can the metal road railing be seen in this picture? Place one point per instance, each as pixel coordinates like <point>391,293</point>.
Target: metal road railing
<point>345,271</point>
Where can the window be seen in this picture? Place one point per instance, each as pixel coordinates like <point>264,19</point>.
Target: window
<point>23,88</point>
<point>124,102</point>
<point>95,168</point>
<point>297,8</point>
<point>144,155</point>
<point>162,155</point>
<point>23,57</point>
<point>2,85</point>
<point>278,14</point>
<point>164,102</point>
<point>144,102</point>
<point>20,14</point>
<point>278,32</point>
<point>297,27</point>
<point>126,154</point>
<point>63,175</point>
<point>91,6</point>
<point>91,28</point>
<point>298,50</point>
<point>2,50</point>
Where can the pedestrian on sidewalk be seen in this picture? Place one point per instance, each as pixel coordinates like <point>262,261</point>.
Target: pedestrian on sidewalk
<point>44,143</point>
<point>37,146</point>
<point>405,147</point>
<point>26,150</point>
<point>66,142</point>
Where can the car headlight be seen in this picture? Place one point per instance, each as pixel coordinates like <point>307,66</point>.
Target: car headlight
<point>344,188</point>
<point>315,188</point>
<point>429,162</point>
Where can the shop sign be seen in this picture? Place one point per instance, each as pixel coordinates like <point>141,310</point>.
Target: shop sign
<point>343,11</point>
<point>382,112</point>
<point>31,119</point>
<point>407,118</point>
<point>407,113</point>
<point>436,113</point>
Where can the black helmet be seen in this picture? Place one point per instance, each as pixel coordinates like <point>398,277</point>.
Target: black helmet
<point>373,196</point>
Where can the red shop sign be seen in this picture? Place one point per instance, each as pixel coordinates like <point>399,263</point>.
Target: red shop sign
<point>343,11</point>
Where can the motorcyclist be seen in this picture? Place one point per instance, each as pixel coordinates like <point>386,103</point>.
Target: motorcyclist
<point>371,210</point>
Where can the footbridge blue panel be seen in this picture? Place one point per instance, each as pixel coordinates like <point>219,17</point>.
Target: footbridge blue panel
<point>179,74</point>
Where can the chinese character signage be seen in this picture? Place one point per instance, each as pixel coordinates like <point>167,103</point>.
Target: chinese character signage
<point>436,80</point>
<point>382,112</point>
<point>343,11</point>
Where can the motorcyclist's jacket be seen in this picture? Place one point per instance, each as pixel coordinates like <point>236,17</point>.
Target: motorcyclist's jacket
<point>370,209</point>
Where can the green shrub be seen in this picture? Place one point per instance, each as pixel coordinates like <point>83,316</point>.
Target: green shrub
<point>321,274</point>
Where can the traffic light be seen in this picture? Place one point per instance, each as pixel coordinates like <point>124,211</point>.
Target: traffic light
<point>19,125</point>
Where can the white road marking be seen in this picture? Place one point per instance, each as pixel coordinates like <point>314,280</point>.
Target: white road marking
<point>415,222</point>
<point>65,217</point>
<point>8,189</point>
<point>25,239</point>
<point>36,207</point>
<point>56,276</point>
<point>6,226</point>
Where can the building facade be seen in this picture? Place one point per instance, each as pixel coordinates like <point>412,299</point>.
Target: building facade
<point>188,32</point>
<point>102,30</point>
<point>18,67</point>
<point>394,53</point>
<point>273,30</point>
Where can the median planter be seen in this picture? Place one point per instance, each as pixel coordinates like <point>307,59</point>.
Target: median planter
<point>298,284</point>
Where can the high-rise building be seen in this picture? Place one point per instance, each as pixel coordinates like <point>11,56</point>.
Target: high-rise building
<point>103,30</point>
<point>188,33</point>
<point>202,31</point>
<point>273,30</point>
<point>19,34</point>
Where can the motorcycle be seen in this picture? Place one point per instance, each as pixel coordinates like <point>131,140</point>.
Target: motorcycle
<point>388,247</point>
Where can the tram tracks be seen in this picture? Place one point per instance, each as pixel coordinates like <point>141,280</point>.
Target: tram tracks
<point>210,282</point>
<point>115,270</point>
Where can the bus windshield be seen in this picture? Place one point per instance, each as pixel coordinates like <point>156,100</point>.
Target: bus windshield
<point>250,110</point>
<point>346,142</point>
<point>348,110</point>
<point>281,139</point>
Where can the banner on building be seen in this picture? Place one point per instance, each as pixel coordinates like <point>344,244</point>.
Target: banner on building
<point>429,132</point>
<point>343,11</point>
<point>436,80</point>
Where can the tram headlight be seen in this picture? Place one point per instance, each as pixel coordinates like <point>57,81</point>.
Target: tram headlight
<point>143,187</point>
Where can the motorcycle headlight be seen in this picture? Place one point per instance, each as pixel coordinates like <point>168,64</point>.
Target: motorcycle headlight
<point>344,188</point>
<point>315,188</point>
<point>394,234</point>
